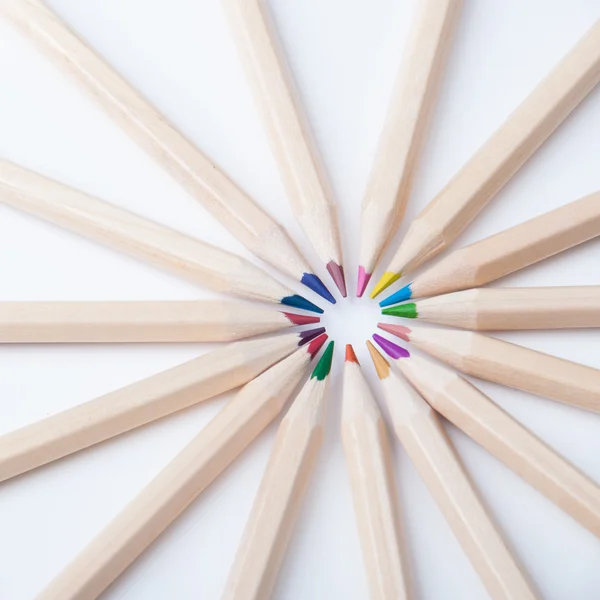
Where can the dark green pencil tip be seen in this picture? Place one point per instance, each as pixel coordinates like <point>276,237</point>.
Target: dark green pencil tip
<point>408,311</point>
<point>324,365</point>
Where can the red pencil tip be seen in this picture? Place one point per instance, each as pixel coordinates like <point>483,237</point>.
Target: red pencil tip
<point>301,319</point>
<point>362,282</point>
<point>337,274</point>
<point>350,355</point>
<point>400,331</point>
<point>316,345</point>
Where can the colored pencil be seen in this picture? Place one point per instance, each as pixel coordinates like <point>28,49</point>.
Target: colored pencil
<point>154,321</point>
<point>489,425</point>
<point>181,481</point>
<point>151,130</point>
<point>301,168</point>
<point>282,489</point>
<point>508,364</point>
<point>492,166</point>
<point>507,251</point>
<point>404,131</point>
<point>431,451</point>
<point>144,239</point>
<point>143,402</point>
<point>369,462</point>
<point>508,308</point>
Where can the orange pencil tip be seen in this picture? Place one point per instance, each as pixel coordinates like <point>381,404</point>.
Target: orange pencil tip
<point>350,355</point>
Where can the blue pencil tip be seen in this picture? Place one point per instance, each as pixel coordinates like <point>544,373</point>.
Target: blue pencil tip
<point>299,302</point>
<point>311,281</point>
<point>401,295</point>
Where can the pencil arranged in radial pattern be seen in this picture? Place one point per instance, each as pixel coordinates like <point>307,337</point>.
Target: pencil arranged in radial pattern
<point>508,251</point>
<point>197,173</point>
<point>492,166</point>
<point>431,451</point>
<point>489,425</point>
<point>153,321</point>
<point>404,131</point>
<point>281,491</point>
<point>508,364</point>
<point>301,168</point>
<point>508,308</point>
<point>144,239</point>
<point>181,481</point>
<point>144,401</point>
<point>368,457</point>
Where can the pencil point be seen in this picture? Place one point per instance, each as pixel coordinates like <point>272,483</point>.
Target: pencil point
<point>382,366</point>
<point>310,280</point>
<point>309,335</point>
<point>350,355</point>
<point>398,330</point>
<point>386,280</point>
<point>324,365</point>
<point>301,319</point>
<point>362,282</point>
<point>401,295</point>
<point>302,303</point>
<point>408,311</point>
<point>315,345</point>
<point>390,348</point>
<point>337,274</point>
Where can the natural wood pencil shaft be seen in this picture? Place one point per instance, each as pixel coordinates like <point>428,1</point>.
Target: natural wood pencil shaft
<point>512,365</point>
<point>154,134</point>
<point>484,421</point>
<point>368,458</point>
<point>434,457</point>
<point>144,239</point>
<point>515,308</point>
<point>289,132</point>
<point>120,322</point>
<point>405,127</point>
<point>139,403</point>
<point>492,166</point>
<point>513,249</point>
<point>178,484</point>
<point>279,497</point>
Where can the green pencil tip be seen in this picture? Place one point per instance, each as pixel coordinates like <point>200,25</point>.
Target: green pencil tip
<point>324,365</point>
<point>408,311</point>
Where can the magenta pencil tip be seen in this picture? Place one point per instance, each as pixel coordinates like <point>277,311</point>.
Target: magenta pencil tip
<point>390,348</point>
<point>337,274</point>
<point>363,281</point>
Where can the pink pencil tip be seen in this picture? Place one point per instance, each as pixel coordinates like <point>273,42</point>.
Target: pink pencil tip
<point>400,331</point>
<point>363,281</point>
<point>337,274</point>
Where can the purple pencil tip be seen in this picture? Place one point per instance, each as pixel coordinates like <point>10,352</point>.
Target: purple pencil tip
<point>390,348</point>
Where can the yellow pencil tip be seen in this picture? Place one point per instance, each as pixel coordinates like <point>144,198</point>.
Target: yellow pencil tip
<point>382,366</point>
<point>386,280</point>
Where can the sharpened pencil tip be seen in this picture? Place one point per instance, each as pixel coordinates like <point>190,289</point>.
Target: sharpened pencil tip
<point>310,280</point>
<point>400,331</point>
<point>324,365</point>
<point>302,303</point>
<point>337,274</point>
<point>301,319</point>
<point>382,366</point>
<point>390,348</point>
<point>401,295</point>
<point>386,280</point>
<point>309,335</point>
<point>362,281</point>
<point>408,311</point>
<point>350,355</point>
<point>316,344</point>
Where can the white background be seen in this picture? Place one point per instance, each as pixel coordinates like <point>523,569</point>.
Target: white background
<point>344,54</point>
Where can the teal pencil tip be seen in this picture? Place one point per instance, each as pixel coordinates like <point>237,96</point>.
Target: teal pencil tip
<point>299,302</point>
<point>324,365</point>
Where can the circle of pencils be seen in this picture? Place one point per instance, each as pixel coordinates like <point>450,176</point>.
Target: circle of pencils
<point>265,363</point>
